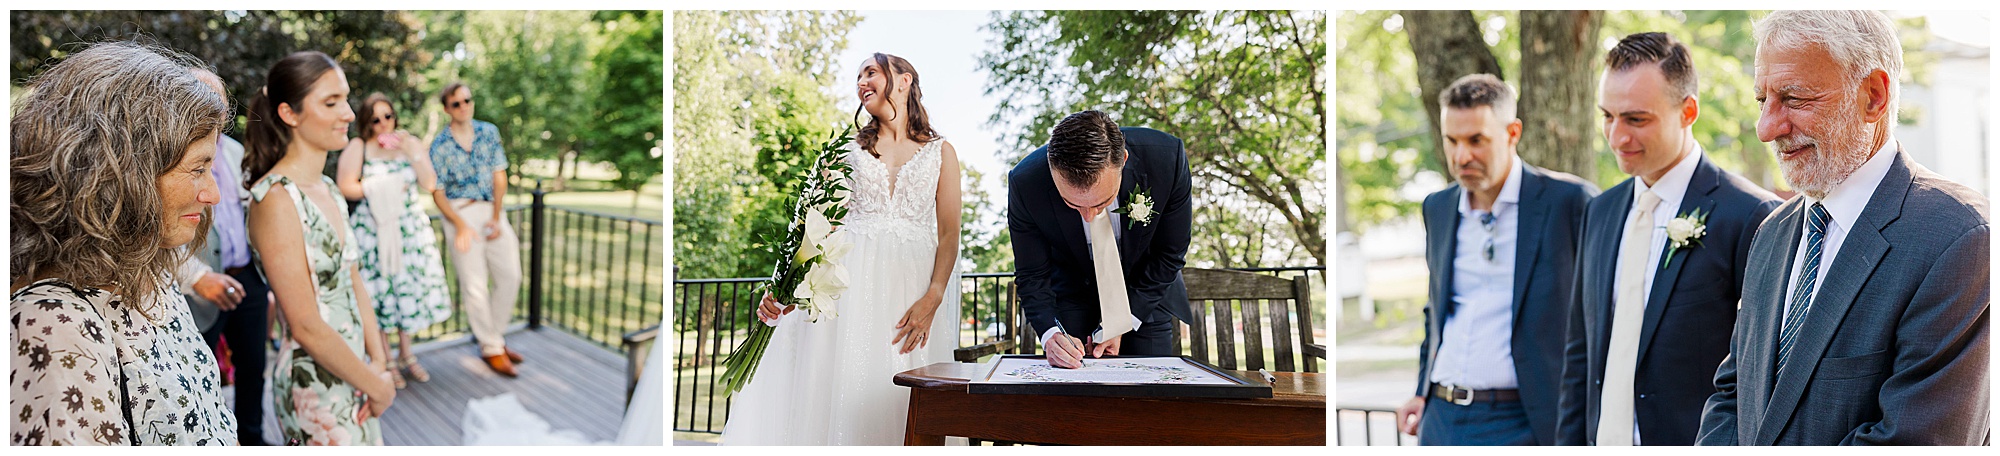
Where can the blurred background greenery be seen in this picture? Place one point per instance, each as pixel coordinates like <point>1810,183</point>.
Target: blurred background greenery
<point>576,94</point>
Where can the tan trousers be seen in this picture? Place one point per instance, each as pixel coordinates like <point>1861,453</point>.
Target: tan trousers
<point>489,274</point>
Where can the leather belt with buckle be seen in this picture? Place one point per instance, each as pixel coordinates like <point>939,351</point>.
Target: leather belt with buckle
<point>1461,396</point>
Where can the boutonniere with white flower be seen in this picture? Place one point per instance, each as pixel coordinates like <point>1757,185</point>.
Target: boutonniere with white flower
<point>1684,231</point>
<point>1138,208</point>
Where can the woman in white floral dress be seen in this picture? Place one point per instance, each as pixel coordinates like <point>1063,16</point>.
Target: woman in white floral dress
<point>400,265</point>
<point>332,377</point>
<point>110,168</point>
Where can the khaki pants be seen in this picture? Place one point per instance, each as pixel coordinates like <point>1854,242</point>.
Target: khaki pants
<point>489,274</point>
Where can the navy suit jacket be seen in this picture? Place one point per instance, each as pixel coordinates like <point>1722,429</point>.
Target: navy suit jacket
<point>1688,313</point>
<point>1054,274</point>
<point>1551,216</point>
<point>1894,348</point>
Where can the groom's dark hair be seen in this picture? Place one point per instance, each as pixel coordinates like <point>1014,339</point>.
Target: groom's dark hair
<point>1084,143</point>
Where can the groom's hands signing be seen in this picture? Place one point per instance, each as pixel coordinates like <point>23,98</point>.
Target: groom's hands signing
<point>1109,347</point>
<point>1064,351</point>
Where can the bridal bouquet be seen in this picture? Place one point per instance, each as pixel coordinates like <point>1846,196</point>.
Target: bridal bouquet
<point>808,274</point>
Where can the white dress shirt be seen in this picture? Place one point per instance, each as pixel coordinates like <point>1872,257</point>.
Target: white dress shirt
<point>1671,189</point>
<point>1117,231</point>
<point>1844,203</point>
<point>1477,351</point>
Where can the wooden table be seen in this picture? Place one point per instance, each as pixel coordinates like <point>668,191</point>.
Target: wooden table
<point>940,406</point>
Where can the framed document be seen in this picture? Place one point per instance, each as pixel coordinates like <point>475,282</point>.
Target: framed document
<point>1119,376</point>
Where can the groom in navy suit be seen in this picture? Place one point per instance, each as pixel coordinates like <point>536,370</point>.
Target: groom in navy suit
<point>1100,222</point>
<point>1648,326</point>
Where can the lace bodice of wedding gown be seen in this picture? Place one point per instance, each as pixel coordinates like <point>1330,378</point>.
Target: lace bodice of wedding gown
<point>900,201</point>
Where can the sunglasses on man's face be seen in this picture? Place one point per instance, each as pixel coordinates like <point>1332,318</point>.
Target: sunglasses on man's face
<point>466,102</point>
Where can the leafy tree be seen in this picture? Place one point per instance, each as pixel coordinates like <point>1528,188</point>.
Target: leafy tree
<point>627,100</point>
<point>378,50</point>
<point>1242,88</point>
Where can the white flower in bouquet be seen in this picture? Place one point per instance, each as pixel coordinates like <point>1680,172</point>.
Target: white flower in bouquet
<point>835,247</point>
<point>817,228</point>
<point>823,285</point>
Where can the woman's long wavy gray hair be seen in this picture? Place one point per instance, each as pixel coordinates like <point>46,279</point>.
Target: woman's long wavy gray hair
<point>91,138</point>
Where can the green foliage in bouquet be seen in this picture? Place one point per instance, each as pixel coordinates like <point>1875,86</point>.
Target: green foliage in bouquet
<point>822,197</point>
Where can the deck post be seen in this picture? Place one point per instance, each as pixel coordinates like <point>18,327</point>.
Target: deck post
<point>537,231</point>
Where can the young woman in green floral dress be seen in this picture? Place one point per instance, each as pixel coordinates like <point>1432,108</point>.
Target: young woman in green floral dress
<point>331,379</point>
<point>400,265</point>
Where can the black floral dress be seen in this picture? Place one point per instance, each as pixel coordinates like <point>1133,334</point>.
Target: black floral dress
<point>91,369</point>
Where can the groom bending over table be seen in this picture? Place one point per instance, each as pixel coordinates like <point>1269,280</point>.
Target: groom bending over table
<point>1105,205</point>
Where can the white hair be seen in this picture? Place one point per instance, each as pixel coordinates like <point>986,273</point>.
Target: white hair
<point>1861,41</point>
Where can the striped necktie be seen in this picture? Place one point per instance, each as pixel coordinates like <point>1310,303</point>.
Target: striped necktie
<point>1801,301</point>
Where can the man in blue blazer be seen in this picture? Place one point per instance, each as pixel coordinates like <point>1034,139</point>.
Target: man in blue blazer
<point>1501,246</point>
<point>1864,318</point>
<point>1646,332</point>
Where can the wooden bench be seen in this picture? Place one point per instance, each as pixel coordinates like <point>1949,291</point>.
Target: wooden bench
<point>1271,314</point>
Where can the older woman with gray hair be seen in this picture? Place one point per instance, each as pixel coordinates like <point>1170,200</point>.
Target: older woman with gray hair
<point>110,166</point>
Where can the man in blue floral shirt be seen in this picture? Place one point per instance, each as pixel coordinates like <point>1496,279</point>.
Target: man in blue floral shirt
<point>486,254</point>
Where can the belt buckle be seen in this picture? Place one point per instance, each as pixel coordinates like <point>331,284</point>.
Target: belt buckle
<point>1452,391</point>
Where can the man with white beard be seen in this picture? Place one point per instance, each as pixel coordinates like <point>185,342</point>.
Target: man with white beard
<point>1864,312</point>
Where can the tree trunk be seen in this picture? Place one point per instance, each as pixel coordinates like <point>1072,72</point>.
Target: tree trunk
<point>1559,55</point>
<point>1448,46</point>
<point>562,163</point>
<point>704,328</point>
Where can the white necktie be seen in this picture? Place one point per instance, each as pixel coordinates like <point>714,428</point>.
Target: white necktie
<point>1614,418</point>
<point>1114,307</point>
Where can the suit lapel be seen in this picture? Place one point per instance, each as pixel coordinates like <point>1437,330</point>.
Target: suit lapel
<point>1129,240</point>
<point>1700,186</point>
<point>1527,236</point>
<point>1860,253</point>
<point>1611,235</point>
<point>1765,285</point>
<point>1071,226</point>
<point>1445,240</point>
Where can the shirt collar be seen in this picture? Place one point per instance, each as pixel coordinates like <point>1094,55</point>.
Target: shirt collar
<point>1510,191</point>
<point>1846,200</point>
<point>1672,186</point>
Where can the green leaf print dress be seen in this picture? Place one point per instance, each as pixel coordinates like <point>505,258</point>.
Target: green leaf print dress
<point>314,407</point>
<point>409,293</point>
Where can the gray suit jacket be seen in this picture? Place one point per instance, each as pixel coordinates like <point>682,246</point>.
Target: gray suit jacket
<point>1894,349</point>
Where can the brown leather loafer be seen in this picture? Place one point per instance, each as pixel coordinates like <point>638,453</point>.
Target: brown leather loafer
<point>512,355</point>
<point>500,364</point>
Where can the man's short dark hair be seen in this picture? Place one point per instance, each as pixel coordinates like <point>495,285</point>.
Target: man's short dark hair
<point>1651,47</point>
<point>444,97</point>
<point>1083,144</point>
<point>1475,90</point>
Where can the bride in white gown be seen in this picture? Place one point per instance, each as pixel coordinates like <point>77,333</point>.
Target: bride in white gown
<point>830,382</point>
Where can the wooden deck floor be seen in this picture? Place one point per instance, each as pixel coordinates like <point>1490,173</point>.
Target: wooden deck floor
<point>565,380</point>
